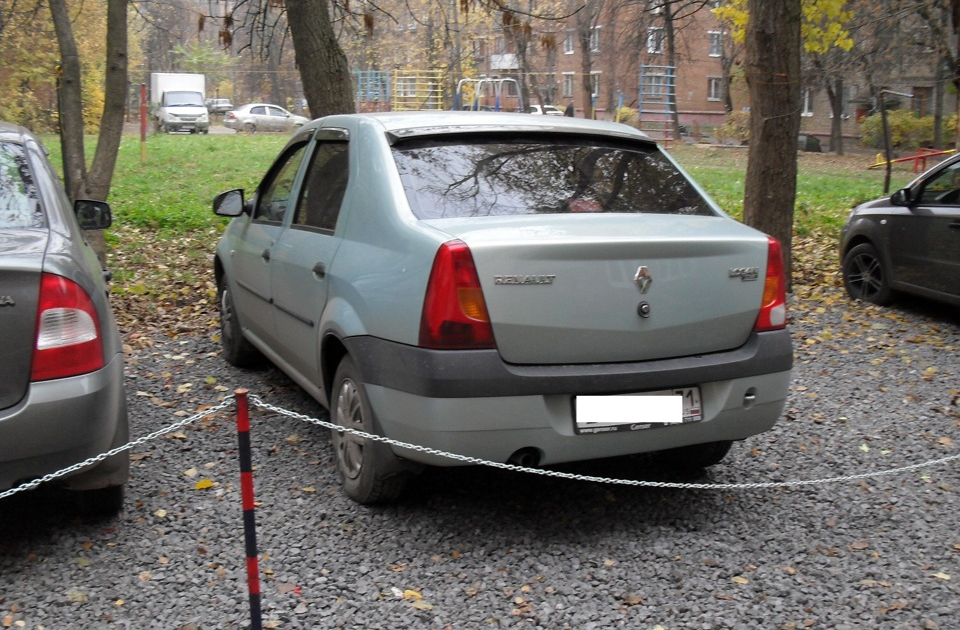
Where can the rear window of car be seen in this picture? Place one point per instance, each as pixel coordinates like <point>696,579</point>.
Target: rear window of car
<point>19,198</point>
<point>471,176</point>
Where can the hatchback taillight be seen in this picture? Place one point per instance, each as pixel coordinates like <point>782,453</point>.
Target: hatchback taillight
<point>773,308</point>
<point>454,311</point>
<point>68,340</point>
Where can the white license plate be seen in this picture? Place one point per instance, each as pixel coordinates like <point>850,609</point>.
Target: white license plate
<point>633,412</point>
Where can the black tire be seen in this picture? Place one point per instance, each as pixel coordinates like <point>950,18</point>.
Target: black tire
<point>102,502</point>
<point>695,456</point>
<point>236,349</point>
<point>865,277</point>
<point>369,470</point>
<point>250,128</point>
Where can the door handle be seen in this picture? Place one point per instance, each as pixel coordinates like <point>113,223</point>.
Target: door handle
<point>955,225</point>
<point>266,255</point>
<point>320,270</point>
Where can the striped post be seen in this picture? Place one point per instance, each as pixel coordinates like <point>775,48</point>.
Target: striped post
<point>249,522</point>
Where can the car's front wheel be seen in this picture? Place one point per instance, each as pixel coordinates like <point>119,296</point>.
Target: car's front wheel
<point>236,349</point>
<point>371,473</point>
<point>865,277</point>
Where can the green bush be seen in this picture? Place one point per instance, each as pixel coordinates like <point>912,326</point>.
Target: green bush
<point>907,130</point>
<point>735,127</point>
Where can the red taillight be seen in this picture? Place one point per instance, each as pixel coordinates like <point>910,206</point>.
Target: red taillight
<point>68,340</point>
<point>773,309</point>
<point>454,311</point>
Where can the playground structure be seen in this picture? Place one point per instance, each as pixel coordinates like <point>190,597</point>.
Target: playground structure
<point>475,95</point>
<point>919,159</point>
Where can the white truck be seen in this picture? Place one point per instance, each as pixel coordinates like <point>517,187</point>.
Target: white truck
<point>177,101</point>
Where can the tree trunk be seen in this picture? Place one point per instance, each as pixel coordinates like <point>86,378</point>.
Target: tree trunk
<point>70,102</point>
<point>773,75</point>
<point>835,96</point>
<point>98,179</point>
<point>323,66</point>
<point>79,183</point>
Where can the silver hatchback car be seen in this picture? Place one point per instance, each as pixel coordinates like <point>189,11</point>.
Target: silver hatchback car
<point>514,288</point>
<point>62,397</point>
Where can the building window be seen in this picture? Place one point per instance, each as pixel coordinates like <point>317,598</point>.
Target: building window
<point>595,84</point>
<point>655,40</point>
<point>595,39</point>
<point>714,88</point>
<point>807,102</point>
<point>716,43</point>
<point>921,101</point>
<point>568,85</point>
<point>568,43</point>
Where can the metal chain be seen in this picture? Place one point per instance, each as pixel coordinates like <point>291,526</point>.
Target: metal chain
<point>227,402</point>
<point>257,401</point>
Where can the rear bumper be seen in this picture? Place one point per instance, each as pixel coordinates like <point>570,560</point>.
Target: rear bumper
<point>62,422</point>
<point>471,403</point>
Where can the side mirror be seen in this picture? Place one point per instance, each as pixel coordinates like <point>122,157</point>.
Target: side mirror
<point>229,203</point>
<point>93,215</point>
<point>901,197</point>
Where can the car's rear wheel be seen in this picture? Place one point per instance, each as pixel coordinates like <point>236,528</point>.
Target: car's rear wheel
<point>370,472</point>
<point>695,456</point>
<point>236,349</point>
<point>865,277</point>
<point>250,127</point>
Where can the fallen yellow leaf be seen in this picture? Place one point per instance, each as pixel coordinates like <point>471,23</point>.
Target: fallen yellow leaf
<point>741,580</point>
<point>203,484</point>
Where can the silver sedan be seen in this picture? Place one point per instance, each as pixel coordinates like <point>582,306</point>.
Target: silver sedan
<point>62,395</point>
<point>262,117</point>
<point>513,288</point>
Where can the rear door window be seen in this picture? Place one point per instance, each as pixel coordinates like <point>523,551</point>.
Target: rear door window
<point>473,176</point>
<point>326,183</point>
<point>19,197</point>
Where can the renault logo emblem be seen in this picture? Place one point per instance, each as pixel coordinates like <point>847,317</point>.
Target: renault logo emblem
<point>643,279</point>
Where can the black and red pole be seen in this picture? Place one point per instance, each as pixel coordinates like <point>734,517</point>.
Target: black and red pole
<point>249,522</point>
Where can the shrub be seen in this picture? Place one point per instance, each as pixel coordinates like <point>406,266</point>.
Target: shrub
<point>907,130</point>
<point>736,127</point>
<point>628,116</point>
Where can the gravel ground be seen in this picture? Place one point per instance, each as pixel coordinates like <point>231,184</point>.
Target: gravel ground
<point>873,389</point>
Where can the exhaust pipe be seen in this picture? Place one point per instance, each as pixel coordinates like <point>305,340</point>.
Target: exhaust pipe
<point>528,457</point>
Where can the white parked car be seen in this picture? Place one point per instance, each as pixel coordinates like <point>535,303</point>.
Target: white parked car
<point>262,117</point>
<point>549,110</point>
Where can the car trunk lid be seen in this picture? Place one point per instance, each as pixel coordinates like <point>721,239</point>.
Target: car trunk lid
<point>21,261</point>
<point>566,289</point>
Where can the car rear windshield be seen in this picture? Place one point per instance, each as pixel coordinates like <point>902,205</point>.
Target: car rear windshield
<point>471,176</point>
<point>19,199</point>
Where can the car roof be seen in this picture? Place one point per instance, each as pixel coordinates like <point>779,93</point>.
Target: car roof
<point>435,122</point>
<point>13,132</point>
